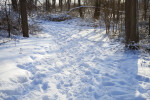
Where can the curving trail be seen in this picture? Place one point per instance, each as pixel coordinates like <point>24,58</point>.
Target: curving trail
<point>70,61</point>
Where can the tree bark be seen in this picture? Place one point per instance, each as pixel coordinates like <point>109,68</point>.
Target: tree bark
<point>131,28</point>
<point>80,9</point>
<point>113,12</point>
<point>47,5</point>
<point>14,5</point>
<point>145,8</point>
<point>24,18</point>
<point>53,4</point>
<point>97,9</point>
<point>118,15</point>
<point>69,4</point>
<point>149,25</point>
<point>8,20</point>
<point>60,4</point>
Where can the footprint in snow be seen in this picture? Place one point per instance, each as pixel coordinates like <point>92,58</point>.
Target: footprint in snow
<point>108,83</point>
<point>88,73</point>
<point>41,53</point>
<point>110,76</point>
<point>20,79</point>
<point>37,81</point>
<point>32,57</point>
<point>45,86</point>
<point>97,60</point>
<point>28,66</point>
<point>45,97</point>
<point>59,86</point>
<point>95,71</point>
<point>118,93</point>
<point>68,85</point>
<point>85,65</point>
<point>122,83</point>
<point>142,78</point>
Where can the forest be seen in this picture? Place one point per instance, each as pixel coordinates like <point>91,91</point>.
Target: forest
<point>115,15</point>
<point>74,49</point>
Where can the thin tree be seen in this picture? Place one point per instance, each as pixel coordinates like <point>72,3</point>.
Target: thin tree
<point>145,8</point>
<point>8,19</point>
<point>53,4</point>
<point>113,14</point>
<point>69,4</point>
<point>118,9</point>
<point>14,5</point>
<point>80,9</point>
<point>149,25</point>
<point>48,5</point>
<point>24,18</point>
<point>60,4</point>
<point>97,9</point>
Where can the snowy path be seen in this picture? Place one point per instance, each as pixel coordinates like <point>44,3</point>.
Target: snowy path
<point>72,62</point>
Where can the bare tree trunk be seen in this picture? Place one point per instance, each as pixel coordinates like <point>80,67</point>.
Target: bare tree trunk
<point>14,5</point>
<point>30,5</point>
<point>113,12</point>
<point>118,15</point>
<point>127,21</point>
<point>53,4</point>
<point>35,2</point>
<point>8,20</point>
<point>131,28</point>
<point>60,4</point>
<point>80,9</point>
<point>97,9</point>
<point>74,3</point>
<point>69,4</point>
<point>47,5</point>
<point>149,25</point>
<point>24,18</point>
<point>106,14</point>
<point>145,8</point>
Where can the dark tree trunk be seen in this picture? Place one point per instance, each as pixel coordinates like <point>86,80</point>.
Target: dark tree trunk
<point>14,5</point>
<point>8,20</point>
<point>74,3</point>
<point>60,4</point>
<point>47,5</point>
<point>80,9</point>
<point>127,21</point>
<point>131,28</point>
<point>24,18</point>
<point>113,12</point>
<point>113,9</point>
<point>97,9</point>
<point>118,14</point>
<point>69,4</point>
<point>35,3</point>
<point>149,25</point>
<point>30,5</point>
<point>145,8</point>
<point>53,4</point>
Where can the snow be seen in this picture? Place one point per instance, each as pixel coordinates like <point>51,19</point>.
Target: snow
<point>70,60</point>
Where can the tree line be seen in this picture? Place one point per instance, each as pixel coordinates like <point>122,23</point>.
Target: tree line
<point>124,16</point>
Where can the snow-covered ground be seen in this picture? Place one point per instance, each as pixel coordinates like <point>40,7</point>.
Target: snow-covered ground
<point>72,61</point>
